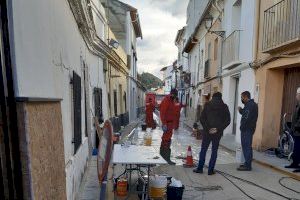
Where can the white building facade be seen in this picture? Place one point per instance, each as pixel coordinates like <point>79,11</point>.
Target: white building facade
<point>167,74</point>
<point>238,21</point>
<point>59,53</point>
<point>124,21</point>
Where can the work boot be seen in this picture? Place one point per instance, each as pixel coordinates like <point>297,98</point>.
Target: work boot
<point>198,171</point>
<point>297,170</point>
<point>166,153</point>
<point>242,165</point>
<point>211,172</point>
<point>244,168</point>
<point>293,165</point>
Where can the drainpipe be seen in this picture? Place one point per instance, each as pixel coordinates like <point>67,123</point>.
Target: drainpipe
<point>256,29</point>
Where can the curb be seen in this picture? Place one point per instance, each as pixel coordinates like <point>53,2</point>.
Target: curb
<point>267,165</point>
<point>264,164</point>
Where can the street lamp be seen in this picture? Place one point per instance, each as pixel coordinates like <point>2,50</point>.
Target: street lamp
<point>208,22</point>
<point>113,43</point>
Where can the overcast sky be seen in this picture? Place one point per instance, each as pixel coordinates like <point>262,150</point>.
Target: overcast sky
<point>160,20</point>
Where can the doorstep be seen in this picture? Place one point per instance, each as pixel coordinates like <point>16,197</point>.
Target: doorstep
<point>262,158</point>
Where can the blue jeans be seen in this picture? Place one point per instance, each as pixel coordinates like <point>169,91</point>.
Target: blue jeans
<point>206,140</point>
<point>246,140</point>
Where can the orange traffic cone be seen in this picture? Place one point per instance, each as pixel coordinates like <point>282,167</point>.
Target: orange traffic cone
<point>189,158</point>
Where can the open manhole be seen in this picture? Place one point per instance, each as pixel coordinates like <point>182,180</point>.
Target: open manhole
<point>208,188</point>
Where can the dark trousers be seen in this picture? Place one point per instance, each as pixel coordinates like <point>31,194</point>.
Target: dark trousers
<point>296,151</point>
<point>206,140</point>
<point>246,140</point>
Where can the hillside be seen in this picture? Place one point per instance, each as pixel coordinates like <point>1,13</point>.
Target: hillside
<point>149,80</point>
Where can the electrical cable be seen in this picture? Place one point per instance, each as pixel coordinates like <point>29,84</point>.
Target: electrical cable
<point>254,184</point>
<point>280,182</point>
<point>236,186</point>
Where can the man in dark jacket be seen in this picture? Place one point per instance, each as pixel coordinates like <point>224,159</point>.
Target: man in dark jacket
<point>248,125</point>
<point>214,118</point>
<point>296,135</point>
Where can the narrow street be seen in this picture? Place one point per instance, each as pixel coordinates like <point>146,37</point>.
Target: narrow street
<point>202,186</point>
<point>79,78</point>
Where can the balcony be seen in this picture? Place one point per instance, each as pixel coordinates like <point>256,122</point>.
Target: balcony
<point>281,26</point>
<point>206,69</point>
<point>231,50</point>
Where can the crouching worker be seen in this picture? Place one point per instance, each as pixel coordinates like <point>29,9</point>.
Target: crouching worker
<point>150,107</point>
<point>167,116</point>
<point>214,118</point>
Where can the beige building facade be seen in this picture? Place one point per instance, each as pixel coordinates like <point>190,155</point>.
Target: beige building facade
<point>277,67</point>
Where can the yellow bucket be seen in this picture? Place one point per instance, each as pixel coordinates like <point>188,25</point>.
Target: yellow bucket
<point>157,192</point>
<point>158,185</point>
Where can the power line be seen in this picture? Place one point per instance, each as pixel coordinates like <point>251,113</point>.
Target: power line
<point>280,182</point>
<point>226,175</point>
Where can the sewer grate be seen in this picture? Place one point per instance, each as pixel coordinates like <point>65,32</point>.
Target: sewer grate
<point>208,188</point>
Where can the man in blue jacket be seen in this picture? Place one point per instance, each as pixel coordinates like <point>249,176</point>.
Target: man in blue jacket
<point>248,125</point>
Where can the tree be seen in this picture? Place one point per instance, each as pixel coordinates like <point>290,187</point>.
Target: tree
<point>149,80</point>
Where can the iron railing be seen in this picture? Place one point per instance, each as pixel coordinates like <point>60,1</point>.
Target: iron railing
<point>206,69</point>
<point>231,48</point>
<point>281,24</point>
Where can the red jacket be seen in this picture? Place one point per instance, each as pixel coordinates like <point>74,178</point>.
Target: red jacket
<point>167,110</point>
<point>150,107</point>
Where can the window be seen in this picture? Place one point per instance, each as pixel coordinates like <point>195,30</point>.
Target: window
<point>115,103</point>
<point>201,58</point>
<point>98,104</point>
<point>208,50</point>
<point>109,103</point>
<point>120,98</point>
<point>125,101</point>
<point>77,111</point>
<point>191,101</point>
<point>216,49</point>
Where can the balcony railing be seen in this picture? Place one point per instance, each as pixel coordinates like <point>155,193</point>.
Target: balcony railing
<point>206,69</point>
<point>281,25</point>
<point>231,48</point>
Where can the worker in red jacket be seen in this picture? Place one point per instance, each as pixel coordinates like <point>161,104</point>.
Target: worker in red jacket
<point>167,116</point>
<point>150,107</point>
<point>178,106</point>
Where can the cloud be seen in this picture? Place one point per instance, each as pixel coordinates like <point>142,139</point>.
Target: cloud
<point>160,21</point>
<point>175,7</point>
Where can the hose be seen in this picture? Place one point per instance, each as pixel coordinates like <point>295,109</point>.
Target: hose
<point>280,182</point>
<point>226,175</point>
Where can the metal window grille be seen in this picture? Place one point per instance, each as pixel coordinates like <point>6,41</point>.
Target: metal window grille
<point>77,111</point>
